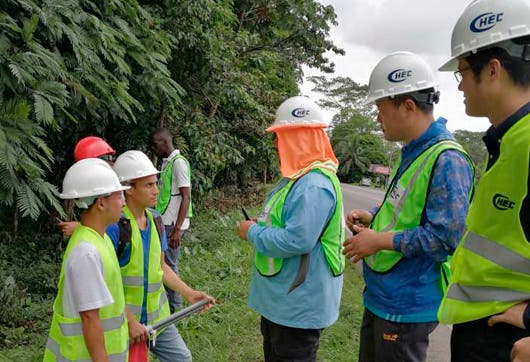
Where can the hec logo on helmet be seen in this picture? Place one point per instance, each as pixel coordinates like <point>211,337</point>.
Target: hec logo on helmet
<point>300,112</point>
<point>399,75</point>
<point>485,22</point>
<point>502,202</point>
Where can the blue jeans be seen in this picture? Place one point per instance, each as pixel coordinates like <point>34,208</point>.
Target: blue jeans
<point>172,260</point>
<point>170,347</point>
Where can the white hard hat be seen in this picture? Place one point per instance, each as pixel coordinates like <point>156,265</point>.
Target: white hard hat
<point>298,111</point>
<point>90,177</point>
<point>131,165</point>
<point>487,22</point>
<point>400,73</point>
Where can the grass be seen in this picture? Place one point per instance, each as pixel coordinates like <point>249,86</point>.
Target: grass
<point>220,264</point>
<point>214,260</point>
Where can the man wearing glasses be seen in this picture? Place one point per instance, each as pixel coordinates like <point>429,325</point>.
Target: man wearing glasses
<point>487,301</point>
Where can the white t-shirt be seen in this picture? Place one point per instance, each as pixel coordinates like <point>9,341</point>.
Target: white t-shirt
<point>180,178</point>
<point>84,281</point>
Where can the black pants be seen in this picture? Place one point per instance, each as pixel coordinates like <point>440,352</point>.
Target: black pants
<point>286,344</point>
<point>386,341</point>
<point>475,341</point>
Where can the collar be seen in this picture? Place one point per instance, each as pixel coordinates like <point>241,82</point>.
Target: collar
<point>436,131</point>
<point>171,155</point>
<point>496,133</point>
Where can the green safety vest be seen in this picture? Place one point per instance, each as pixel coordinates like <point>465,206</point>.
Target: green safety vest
<point>66,341</point>
<point>491,266</point>
<point>404,204</point>
<point>331,239</point>
<point>133,274</point>
<point>165,184</point>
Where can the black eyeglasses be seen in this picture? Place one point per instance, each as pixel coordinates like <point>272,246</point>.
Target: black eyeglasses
<point>108,157</point>
<point>458,74</point>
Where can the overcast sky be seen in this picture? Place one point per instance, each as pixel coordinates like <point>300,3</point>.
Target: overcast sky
<point>371,29</point>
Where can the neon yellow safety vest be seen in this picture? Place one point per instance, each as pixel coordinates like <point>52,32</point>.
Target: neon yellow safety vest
<point>404,203</point>
<point>165,183</point>
<point>491,266</point>
<point>331,239</point>
<point>66,341</point>
<point>133,274</point>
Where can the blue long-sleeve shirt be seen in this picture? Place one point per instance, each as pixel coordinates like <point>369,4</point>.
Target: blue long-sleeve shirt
<point>411,291</point>
<point>306,212</point>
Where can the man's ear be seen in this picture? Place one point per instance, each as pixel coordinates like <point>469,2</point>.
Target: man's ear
<point>410,105</point>
<point>100,203</point>
<point>129,191</point>
<point>494,69</point>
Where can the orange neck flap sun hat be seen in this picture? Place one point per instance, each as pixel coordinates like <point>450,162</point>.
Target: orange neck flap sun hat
<point>301,141</point>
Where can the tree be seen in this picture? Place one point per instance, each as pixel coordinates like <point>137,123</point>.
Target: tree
<point>237,62</point>
<point>475,147</point>
<point>69,67</point>
<point>355,137</point>
<point>211,71</point>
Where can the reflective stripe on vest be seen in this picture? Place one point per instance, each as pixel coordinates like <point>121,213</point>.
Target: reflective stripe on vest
<point>165,185</point>
<point>405,201</point>
<point>133,273</point>
<point>66,341</point>
<point>491,266</point>
<point>331,239</point>
<point>75,329</point>
<point>55,349</point>
<point>155,315</point>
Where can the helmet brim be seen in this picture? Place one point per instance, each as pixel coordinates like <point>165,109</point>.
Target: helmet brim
<point>450,66</point>
<point>277,127</point>
<point>71,196</point>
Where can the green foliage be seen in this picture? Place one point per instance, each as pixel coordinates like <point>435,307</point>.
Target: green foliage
<point>355,137</point>
<point>67,67</point>
<point>237,61</point>
<point>344,95</point>
<point>28,276</point>
<point>24,159</point>
<point>475,147</point>
<point>211,71</point>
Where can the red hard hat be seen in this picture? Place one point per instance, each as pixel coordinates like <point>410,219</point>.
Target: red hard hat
<point>92,147</point>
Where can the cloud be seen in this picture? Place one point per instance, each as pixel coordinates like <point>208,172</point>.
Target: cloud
<point>371,29</point>
<point>390,25</point>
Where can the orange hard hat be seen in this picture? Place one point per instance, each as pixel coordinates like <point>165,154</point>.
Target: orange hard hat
<point>92,147</point>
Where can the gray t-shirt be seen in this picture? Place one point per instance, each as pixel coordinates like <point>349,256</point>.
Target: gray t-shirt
<point>84,281</point>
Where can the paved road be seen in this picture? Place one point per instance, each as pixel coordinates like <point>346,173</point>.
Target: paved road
<point>358,197</point>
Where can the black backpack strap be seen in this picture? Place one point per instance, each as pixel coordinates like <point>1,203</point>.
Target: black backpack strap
<point>159,226</point>
<point>125,233</point>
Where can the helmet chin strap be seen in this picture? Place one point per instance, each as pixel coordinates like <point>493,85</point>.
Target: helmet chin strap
<point>85,202</point>
<point>429,98</point>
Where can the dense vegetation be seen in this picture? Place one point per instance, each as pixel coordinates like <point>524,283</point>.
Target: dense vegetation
<point>211,71</point>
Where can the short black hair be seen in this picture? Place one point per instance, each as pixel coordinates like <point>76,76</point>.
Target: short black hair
<point>424,107</point>
<point>161,130</point>
<point>517,67</point>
